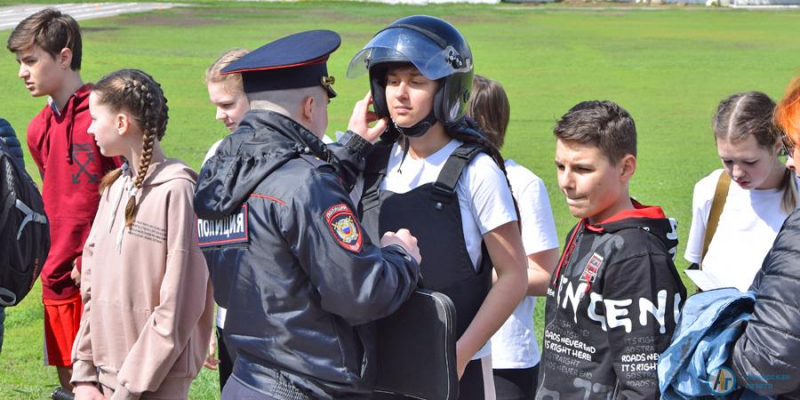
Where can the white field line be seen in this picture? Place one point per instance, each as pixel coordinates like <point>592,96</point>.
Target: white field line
<point>9,18</point>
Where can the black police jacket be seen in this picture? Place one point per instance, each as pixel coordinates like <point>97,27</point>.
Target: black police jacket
<point>288,258</point>
<point>766,358</point>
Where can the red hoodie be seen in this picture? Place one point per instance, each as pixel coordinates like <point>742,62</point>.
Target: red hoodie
<point>71,167</point>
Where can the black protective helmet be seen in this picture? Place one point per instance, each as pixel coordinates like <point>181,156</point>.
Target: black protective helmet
<point>436,49</point>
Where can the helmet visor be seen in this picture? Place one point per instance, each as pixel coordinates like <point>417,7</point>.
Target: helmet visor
<point>407,45</point>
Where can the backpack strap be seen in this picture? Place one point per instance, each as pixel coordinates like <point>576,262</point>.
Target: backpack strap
<point>13,201</point>
<point>720,195</point>
<point>444,189</point>
<point>377,166</point>
<point>7,175</point>
<point>30,216</point>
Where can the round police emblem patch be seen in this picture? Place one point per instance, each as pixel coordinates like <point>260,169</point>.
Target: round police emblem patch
<point>343,226</point>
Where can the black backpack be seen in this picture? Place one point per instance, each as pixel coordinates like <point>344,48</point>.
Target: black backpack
<point>24,230</point>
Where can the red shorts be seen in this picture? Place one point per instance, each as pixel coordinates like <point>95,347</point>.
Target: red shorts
<point>62,318</point>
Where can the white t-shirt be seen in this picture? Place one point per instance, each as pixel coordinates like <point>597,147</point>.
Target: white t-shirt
<point>747,227</point>
<point>514,345</point>
<point>483,195</point>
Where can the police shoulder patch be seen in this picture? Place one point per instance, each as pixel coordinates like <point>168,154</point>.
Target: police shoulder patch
<point>225,231</point>
<point>343,226</point>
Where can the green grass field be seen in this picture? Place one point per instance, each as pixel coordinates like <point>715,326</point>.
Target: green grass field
<point>669,67</point>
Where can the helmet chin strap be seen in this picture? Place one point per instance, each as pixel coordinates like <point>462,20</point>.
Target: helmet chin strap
<point>419,129</point>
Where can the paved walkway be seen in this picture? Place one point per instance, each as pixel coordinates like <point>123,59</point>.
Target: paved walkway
<point>11,16</point>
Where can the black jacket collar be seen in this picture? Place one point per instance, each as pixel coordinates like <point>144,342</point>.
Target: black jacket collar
<point>264,141</point>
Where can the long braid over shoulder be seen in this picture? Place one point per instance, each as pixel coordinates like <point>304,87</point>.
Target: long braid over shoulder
<point>138,94</point>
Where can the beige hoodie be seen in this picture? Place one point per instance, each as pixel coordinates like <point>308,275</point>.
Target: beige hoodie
<point>148,306</point>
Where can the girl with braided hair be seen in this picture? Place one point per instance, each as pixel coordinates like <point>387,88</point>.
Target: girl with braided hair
<point>436,174</point>
<point>146,291</point>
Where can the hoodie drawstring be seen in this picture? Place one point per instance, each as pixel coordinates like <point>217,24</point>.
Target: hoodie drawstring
<point>69,117</point>
<point>70,128</point>
<point>125,182</point>
<point>126,187</point>
<point>131,193</point>
<point>567,252</point>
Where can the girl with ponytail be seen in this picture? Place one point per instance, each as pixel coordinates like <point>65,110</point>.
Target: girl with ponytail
<point>763,192</point>
<point>147,298</point>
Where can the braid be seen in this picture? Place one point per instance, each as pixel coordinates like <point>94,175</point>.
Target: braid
<point>140,95</point>
<point>163,116</point>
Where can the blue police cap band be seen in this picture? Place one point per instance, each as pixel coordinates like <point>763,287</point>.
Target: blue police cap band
<point>288,78</point>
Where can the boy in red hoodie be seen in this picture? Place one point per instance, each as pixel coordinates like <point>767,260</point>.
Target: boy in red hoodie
<point>47,45</point>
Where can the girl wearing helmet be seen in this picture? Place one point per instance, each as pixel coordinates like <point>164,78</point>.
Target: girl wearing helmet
<point>436,174</point>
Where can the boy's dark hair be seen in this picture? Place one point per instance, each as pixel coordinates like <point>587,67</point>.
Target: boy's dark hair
<point>603,124</point>
<point>51,30</point>
<point>489,107</point>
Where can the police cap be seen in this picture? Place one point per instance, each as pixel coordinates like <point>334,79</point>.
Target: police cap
<point>293,62</point>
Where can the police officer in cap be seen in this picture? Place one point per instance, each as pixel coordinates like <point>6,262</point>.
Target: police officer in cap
<point>288,256</point>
